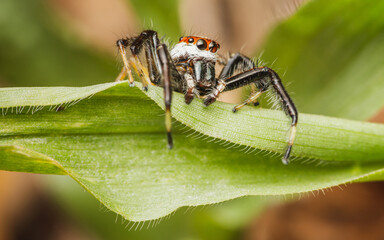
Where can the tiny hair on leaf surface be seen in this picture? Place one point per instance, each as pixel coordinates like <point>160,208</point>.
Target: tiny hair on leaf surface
<point>114,145</point>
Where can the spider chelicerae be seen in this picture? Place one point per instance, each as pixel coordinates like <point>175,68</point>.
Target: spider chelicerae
<point>189,68</point>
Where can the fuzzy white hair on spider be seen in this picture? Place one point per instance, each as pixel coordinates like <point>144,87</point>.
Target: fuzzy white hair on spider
<point>196,48</point>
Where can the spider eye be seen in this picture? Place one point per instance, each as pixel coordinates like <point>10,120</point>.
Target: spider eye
<point>212,47</point>
<point>201,44</point>
<point>191,40</point>
<point>181,38</point>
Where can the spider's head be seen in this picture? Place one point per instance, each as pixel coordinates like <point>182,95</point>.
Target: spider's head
<point>192,47</point>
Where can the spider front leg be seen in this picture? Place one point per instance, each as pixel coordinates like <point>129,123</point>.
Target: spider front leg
<point>134,62</point>
<point>149,40</point>
<point>122,44</point>
<point>235,62</point>
<point>170,78</point>
<point>161,70</point>
<point>263,78</point>
<point>164,58</point>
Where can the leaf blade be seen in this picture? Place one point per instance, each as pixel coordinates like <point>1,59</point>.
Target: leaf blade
<point>131,171</point>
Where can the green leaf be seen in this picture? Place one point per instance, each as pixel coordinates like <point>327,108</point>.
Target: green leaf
<point>319,136</point>
<point>221,221</point>
<point>332,53</point>
<point>114,145</point>
<point>15,158</point>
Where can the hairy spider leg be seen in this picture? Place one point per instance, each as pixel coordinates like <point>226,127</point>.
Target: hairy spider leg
<point>161,70</point>
<point>164,58</point>
<point>152,62</point>
<point>234,62</point>
<point>122,44</point>
<point>289,109</point>
<point>263,77</point>
<point>150,41</point>
<point>133,62</point>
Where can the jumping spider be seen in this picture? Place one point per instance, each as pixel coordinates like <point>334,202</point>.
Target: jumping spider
<point>189,68</point>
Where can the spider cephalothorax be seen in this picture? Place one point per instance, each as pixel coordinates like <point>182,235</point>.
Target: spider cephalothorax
<point>196,48</point>
<point>195,59</point>
<point>189,68</point>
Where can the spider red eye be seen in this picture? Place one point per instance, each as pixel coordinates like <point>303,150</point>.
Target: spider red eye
<point>201,44</point>
<point>191,40</point>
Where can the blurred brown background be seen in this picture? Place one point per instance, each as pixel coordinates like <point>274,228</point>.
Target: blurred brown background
<point>28,212</point>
